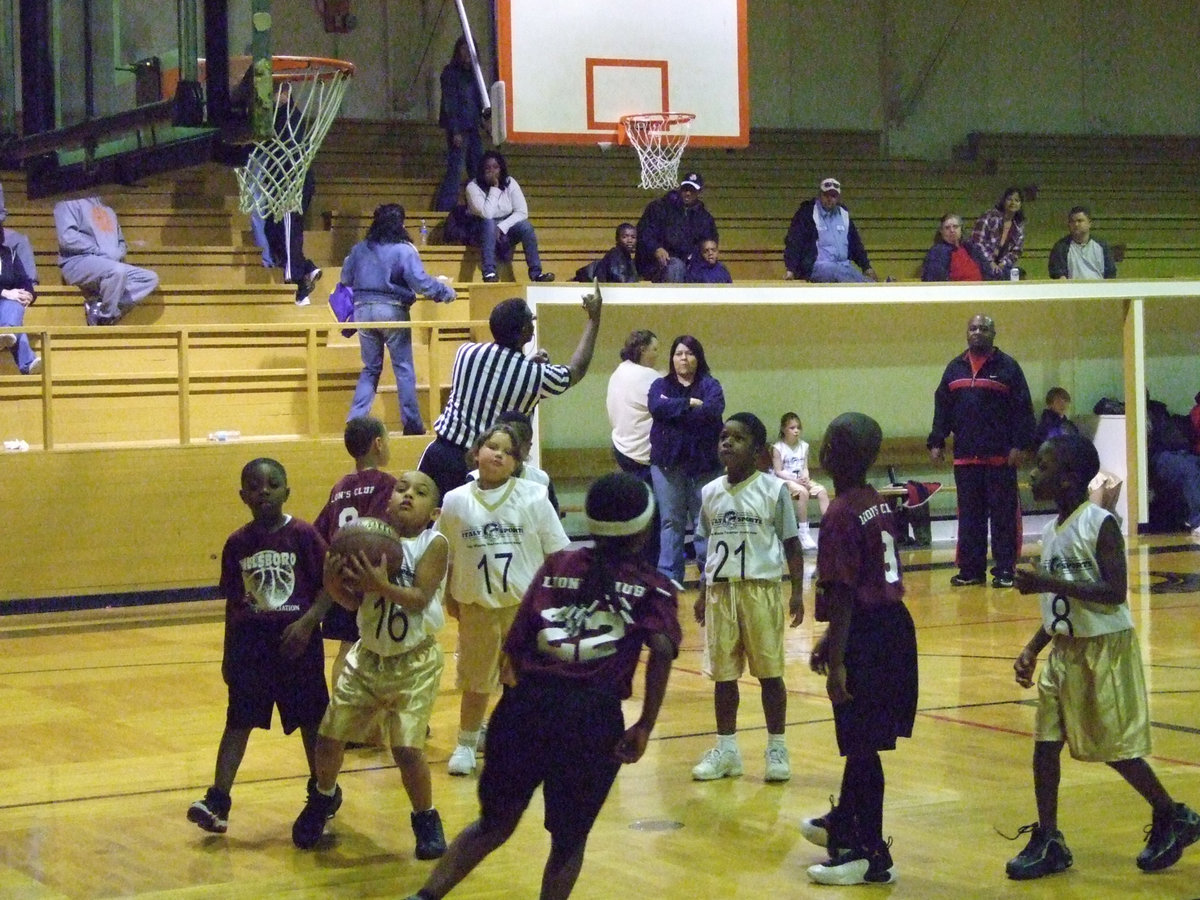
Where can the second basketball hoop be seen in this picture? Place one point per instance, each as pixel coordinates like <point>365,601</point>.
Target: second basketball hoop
<point>659,139</point>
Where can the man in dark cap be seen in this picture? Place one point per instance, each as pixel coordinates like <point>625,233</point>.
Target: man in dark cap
<point>671,230</point>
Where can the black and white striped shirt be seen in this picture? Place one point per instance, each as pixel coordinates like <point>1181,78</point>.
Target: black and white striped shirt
<point>489,379</point>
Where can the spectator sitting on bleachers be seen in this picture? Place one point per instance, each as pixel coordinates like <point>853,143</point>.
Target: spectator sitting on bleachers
<point>19,244</point>
<point>953,259</point>
<point>1000,233</point>
<point>705,268</point>
<point>16,293</point>
<point>1079,255</point>
<point>1054,421</point>
<point>617,265</point>
<point>91,253</point>
<point>502,218</point>
<point>822,241</point>
<point>671,229</point>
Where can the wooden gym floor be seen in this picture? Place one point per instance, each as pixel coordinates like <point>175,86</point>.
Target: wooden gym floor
<point>112,719</point>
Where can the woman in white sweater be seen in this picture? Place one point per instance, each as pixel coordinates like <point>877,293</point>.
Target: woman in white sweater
<point>628,393</point>
<point>496,200</point>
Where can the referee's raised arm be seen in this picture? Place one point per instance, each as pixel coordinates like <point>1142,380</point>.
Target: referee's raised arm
<point>582,357</point>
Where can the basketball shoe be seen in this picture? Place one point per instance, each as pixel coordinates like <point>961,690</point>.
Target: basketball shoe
<point>1045,854</point>
<point>861,866</point>
<point>1167,836</point>
<point>718,763</point>
<point>212,812</point>
<point>318,809</point>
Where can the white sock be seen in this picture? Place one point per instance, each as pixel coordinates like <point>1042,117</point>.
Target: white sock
<point>776,740</point>
<point>328,793</point>
<point>468,739</point>
<point>727,743</point>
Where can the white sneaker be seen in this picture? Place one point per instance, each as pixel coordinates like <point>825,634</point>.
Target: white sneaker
<point>717,763</point>
<point>855,867</point>
<point>778,766</point>
<point>35,367</point>
<point>806,542</point>
<point>462,761</point>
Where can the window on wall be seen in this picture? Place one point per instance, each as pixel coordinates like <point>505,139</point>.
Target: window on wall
<point>112,55</point>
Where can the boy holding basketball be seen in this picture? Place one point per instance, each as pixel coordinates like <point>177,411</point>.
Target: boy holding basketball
<point>393,671</point>
<point>271,572</point>
<point>868,654</point>
<point>1091,691</point>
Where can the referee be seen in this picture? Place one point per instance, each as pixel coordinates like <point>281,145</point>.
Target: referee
<point>489,379</point>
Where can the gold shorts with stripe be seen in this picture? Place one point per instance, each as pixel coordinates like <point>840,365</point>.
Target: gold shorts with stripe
<point>744,624</point>
<point>481,658</point>
<point>1092,694</point>
<point>395,693</point>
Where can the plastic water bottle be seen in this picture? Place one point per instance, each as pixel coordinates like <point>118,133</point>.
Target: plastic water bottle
<point>1015,274</point>
<point>221,437</point>
<point>424,233</point>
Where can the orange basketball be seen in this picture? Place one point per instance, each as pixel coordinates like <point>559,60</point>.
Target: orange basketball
<point>374,538</point>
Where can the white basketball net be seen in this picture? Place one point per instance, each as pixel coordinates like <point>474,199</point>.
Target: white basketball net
<point>272,181</point>
<point>659,139</point>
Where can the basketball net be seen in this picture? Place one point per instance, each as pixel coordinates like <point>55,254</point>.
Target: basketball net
<point>308,93</point>
<point>659,139</point>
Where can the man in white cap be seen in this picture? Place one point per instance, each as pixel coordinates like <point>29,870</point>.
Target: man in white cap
<point>822,243</point>
<point>671,230</point>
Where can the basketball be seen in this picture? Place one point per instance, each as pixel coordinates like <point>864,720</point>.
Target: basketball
<point>374,538</point>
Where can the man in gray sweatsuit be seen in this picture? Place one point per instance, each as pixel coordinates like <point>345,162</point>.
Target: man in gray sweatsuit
<point>91,250</point>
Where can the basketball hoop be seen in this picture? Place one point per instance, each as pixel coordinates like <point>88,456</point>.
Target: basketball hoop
<point>659,139</point>
<point>307,92</point>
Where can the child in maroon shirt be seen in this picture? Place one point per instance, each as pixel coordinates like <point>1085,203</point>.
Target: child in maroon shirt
<point>271,573</point>
<point>574,647</point>
<point>868,654</point>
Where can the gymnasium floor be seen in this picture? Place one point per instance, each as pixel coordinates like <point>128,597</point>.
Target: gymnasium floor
<point>112,720</point>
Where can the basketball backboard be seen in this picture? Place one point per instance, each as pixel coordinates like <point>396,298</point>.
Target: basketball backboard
<point>572,68</point>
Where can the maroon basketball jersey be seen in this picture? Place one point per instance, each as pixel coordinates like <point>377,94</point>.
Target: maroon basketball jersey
<point>858,549</point>
<point>359,495</point>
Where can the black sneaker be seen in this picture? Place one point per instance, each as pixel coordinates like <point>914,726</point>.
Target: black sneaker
<point>212,813</point>
<point>1045,854</point>
<point>318,809</point>
<point>431,840</point>
<point>543,277</point>
<point>1167,836</point>
<point>1002,580</point>
<point>961,580</point>
<point>490,277</point>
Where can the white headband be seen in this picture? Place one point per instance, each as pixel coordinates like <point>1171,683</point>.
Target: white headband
<point>603,528</point>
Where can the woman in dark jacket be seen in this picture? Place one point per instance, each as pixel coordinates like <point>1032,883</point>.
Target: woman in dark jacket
<point>687,406</point>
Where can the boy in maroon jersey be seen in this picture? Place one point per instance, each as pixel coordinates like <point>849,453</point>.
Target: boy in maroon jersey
<point>868,654</point>
<point>574,647</point>
<point>271,575</point>
<point>363,493</point>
